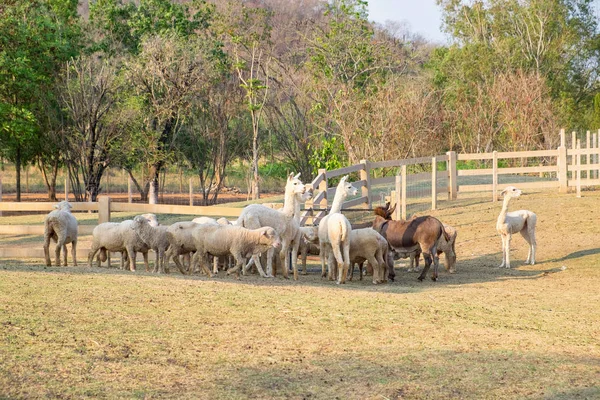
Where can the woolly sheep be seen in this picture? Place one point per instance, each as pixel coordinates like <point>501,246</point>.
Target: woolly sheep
<point>118,237</point>
<point>154,236</point>
<point>181,242</point>
<point>368,245</point>
<point>60,226</point>
<point>309,243</point>
<point>221,240</point>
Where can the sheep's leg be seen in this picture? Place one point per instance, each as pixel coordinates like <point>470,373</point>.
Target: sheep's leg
<point>47,236</point>
<point>215,265</point>
<point>132,255</point>
<point>351,271</point>
<point>322,257</point>
<point>175,256</point>
<point>332,266</point>
<point>146,264</point>
<point>206,263</point>
<point>74,252</point>
<point>91,255</point>
<point>303,254</point>
<point>64,253</point>
<point>377,275</point>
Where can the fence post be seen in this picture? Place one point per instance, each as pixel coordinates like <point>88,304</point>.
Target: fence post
<point>365,174</point>
<point>191,193</point>
<point>563,185</point>
<point>103,209</point>
<point>397,197</point>
<point>0,192</point>
<point>595,156</point>
<point>573,146</point>
<point>494,176</point>
<point>433,183</point>
<point>452,176</point>
<point>588,157</point>
<point>67,184</point>
<point>578,165</point>
<point>404,192</point>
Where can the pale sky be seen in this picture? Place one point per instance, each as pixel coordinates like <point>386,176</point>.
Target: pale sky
<point>421,16</point>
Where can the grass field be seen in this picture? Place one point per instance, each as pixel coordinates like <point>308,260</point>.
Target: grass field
<point>483,333</point>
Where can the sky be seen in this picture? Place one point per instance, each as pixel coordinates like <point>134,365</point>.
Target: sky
<point>421,16</point>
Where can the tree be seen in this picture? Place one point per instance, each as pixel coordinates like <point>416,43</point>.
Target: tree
<point>90,87</point>
<point>36,37</point>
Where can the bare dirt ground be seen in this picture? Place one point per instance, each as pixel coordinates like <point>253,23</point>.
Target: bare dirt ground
<point>530,332</point>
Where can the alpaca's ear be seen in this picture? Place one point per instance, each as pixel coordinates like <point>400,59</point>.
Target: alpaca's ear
<point>290,176</point>
<point>297,175</point>
<point>503,192</point>
<point>344,178</point>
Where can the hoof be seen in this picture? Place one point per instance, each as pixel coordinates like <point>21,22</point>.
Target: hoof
<point>420,279</point>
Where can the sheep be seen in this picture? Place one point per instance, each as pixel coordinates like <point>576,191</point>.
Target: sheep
<point>334,230</point>
<point>154,236</point>
<point>522,221</point>
<point>117,237</point>
<point>287,227</point>
<point>181,242</point>
<point>60,226</point>
<point>309,244</point>
<point>368,245</point>
<point>221,240</point>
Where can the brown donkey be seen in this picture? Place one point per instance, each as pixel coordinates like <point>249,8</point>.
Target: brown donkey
<point>409,235</point>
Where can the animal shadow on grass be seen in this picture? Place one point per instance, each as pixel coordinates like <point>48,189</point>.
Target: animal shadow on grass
<point>577,254</point>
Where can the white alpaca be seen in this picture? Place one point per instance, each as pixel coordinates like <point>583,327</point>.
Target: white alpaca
<point>287,227</point>
<point>334,235</point>
<point>522,221</point>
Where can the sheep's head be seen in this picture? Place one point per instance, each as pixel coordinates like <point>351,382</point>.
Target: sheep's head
<point>310,233</point>
<point>294,184</point>
<point>511,191</point>
<point>63,205</point>
<point>347,187</point>
<point>138,222</point>
<point>269,238</point>
<point>151,218</point>
<point>308,193</point>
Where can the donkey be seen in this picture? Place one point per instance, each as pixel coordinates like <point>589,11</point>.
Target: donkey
<point>407,236</point>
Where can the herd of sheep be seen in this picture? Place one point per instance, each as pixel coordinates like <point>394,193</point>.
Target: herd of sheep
<point>279,238</point>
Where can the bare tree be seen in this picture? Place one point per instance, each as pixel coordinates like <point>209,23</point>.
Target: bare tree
<point>89,87</point>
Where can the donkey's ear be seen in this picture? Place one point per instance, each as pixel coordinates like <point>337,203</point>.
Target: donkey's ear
<point>390,212</point>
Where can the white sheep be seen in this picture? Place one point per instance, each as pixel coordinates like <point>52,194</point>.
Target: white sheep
<point>334,230</point>
<point>368,245</point>
<point>60,226</point>
<point>181,242</point>
<point>287,227</point>
<point>117,237</point>
<point>222,240</point>
<point>154,236</point>
<point>309,244</point>
<point>522,221</point>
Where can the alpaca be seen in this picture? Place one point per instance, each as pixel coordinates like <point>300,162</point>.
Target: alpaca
<point>334,235</point>
<point>522,221</point>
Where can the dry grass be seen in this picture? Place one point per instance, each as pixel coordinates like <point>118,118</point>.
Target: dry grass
<point>483,333</point>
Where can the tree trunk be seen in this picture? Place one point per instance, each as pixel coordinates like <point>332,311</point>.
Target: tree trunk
<point>255,185</point>
<point>18,168</point>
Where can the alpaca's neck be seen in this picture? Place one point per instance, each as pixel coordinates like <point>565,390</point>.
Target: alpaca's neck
<point>297,205</point>
<point>289,203</point>
<point>338,200</point>
<point>502,216</point>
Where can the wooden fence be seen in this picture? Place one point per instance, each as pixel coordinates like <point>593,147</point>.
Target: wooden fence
<point>562,168</point>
